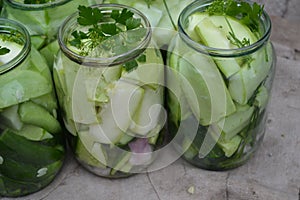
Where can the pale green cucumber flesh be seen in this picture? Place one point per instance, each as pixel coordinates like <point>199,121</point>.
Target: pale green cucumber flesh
<point>34,114</point>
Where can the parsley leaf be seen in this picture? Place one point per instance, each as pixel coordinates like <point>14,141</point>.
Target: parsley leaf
<point>117,25</point>
<point>248,14</point>
<point>3,50</point>
<point>89,16</point>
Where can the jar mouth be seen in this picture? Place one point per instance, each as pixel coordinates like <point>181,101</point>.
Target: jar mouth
<point>265,23</point>
<point>71,24</point>
<point>10,27</point>
<point>23,6</point>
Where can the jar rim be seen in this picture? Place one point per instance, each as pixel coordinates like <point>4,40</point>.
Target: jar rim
<point>212,51</point>
<point>23,6</point>
<point>105,61</point>
<point>9,26</point>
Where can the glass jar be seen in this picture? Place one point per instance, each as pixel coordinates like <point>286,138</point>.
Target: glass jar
<point>42,19</point>
<point>222,91</point>
<point>31,142</point>
<point>111,95</point>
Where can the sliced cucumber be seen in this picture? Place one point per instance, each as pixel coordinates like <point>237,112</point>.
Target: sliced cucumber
<point>10,118</point>
<point>261,99</point>
<point>22,150</point>
<point>34,114</point>
<point>235,122</point>
<point>243,84</point>
<point>21,85</point>
<point>213,100</point>
<point>34,133</point>
<point>116,117</point>
<point>99,153</point>
<point>124,158</point>
<point>231,146</point>
<point>149,112</point>
<point>215,37</point>
<point>85,156</point>
<point>49,52</point>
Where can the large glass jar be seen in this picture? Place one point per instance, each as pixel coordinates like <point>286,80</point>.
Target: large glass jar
<point>219,106</point>
<point>111,92</point>
<point>42,19</point>
<point>31,142</point>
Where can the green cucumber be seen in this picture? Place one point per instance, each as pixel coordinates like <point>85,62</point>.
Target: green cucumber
<point>243,84</point>
<point>212,36</point>
<point>19,148</point>
<point>48,101</point>
<point>34,114</point>
<point>261,99</point>
<point>234,123</point>
<point>28,173</point>
<point>213,100</point>
<point>84,155</point>
<point>49,52</point>
<point>116,116</point>
<point>10,118</point>
<point>231,146</point>
<point>18,86</point>
<point>149,113</point>
<point>124,158</point>
<point>34,133</point>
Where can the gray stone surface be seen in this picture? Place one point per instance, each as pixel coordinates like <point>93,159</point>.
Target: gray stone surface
<point>272,174</point>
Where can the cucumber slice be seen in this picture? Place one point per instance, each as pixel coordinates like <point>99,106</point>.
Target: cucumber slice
<point>153,13</point>
<point>34,133</point>
<point>116,116</point>
<point>34,114</point>
<point>83,111</point>
<point>213,100</point>
<point>231,146</point>
<point>22,150</point>
<point>149,112</point>
<point>28,173</point>
<point>235,122</point>
<point>49,52</point>
<point>99,153</point>
<point>21,85</point>
<point>125,139</point>
<point>215,37</point>
<point>124,158</point>
<point>261,99</point>
<point>10,118</point>
<point>243,84</point>
<point>48,101</point>
<point>84,155</point>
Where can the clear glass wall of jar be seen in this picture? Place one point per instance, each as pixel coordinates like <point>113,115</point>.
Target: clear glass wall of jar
<point>42,19</point>
<point>224,92</point>
<point>111,94</point>
<point>31,141</point>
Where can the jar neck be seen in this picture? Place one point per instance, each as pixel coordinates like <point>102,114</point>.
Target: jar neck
<point>70,25</point>
<point>200,6</point>
<point>16,33</point>
<point>30,7</point>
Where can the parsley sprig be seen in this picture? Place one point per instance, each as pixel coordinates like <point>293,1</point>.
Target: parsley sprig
<point>102,27</point>
<point>4,50</point>
<point>248,14</point>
